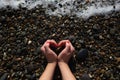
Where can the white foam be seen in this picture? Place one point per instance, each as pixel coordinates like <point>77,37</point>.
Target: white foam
<point>67,7</point>
<point>13,3</point>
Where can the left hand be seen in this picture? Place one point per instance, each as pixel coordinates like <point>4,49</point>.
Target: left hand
<point>50,55</point>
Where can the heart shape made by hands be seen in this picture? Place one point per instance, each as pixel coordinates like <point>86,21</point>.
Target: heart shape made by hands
<point>57,48</point>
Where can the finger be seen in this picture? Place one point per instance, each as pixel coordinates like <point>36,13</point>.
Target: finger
<point>47,48</point>
<point>63,42</point>
<point>52,42</point>
<point>67,48</point>
<point>42,49</point>
<point>71,47</point>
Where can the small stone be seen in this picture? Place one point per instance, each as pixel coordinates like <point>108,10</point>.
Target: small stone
<point>78,78</point>
<point>112,31</point>
<point>29,42</point>
<point>4,76</point>
<point>81,41</point>
<point>33,76</point>
<point>118,67</point>
<point>53,34</point>
<point>19,51</point>
<point>38,50</point>
<point>28,76</point>
<point>102,71</point>
<point>3,18</point>
<point>60,5</point>
<point>101,37</point>
<point>18,59</point>
<point>90,75</point>
<point>18,41</point>
<point>92,68</point>
<point>1,38</point>
<point>37,74</point>
<point>102,53</point>
<point>87,1</point>
<point>118,59</point>
<point>82,54</point>
<point>23,33</point>
<point>4,56</point>
<point>85,76</point>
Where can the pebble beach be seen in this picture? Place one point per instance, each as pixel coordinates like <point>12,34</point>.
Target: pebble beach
<point>23,31</point>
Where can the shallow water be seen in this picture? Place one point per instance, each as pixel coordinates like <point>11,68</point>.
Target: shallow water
<point>80,8</point>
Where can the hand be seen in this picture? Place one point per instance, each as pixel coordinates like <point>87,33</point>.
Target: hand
<point>67,52</point>
<point>49,54</point>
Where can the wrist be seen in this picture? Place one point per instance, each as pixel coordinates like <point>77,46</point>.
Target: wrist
<point>52,63</point>
<point>62,63</point>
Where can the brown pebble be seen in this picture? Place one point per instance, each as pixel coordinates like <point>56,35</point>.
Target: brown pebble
<point>102,53</point>
<point>102,71</point>
<point>18,59</point>
<point>118,59</point>
<point>87,1</point>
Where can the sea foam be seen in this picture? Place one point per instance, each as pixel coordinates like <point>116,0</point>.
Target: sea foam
<point>80,8</point>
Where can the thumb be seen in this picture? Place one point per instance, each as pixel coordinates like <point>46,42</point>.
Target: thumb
<point>47,47</point>
<point>67,48</point>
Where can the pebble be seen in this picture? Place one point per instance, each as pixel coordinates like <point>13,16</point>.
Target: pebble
<point>38,50</point>
<point>1,38</point>
<point>118,67</point>
<point>23,33</point>
<point>82,54</point>
<point>101,37</point>
<point>112,31</point>
<point>102,53</point>
<point>29,42</point>
<point>85,76</point>
<point>4,76</point>
<point>4,56</point>
<point>19,51</point>
<point>28,76</point>
<point>18,59</point>
<point>118,59</point>
<point>78,78</point>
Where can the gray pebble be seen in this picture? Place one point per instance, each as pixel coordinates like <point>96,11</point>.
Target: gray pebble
<point>4,76</point>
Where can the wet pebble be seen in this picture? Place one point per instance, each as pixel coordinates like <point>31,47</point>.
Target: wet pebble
<point>37,51</point>
<point>82,55</point>
<point>85,76</point>
<point>1,38</point>
<point>4,76</point>
<point>29,42</point>
<point>4,56</point>
<point>118,59</point>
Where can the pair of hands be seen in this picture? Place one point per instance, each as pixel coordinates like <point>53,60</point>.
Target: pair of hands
<point>63,56</point>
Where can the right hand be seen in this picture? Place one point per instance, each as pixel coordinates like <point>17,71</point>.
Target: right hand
<point>67,52</point>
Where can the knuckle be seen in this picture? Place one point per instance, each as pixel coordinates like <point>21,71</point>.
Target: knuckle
<point>48,41</point>
<point>67,41</point>
<point>52,40</point>
<point>72,49</point>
